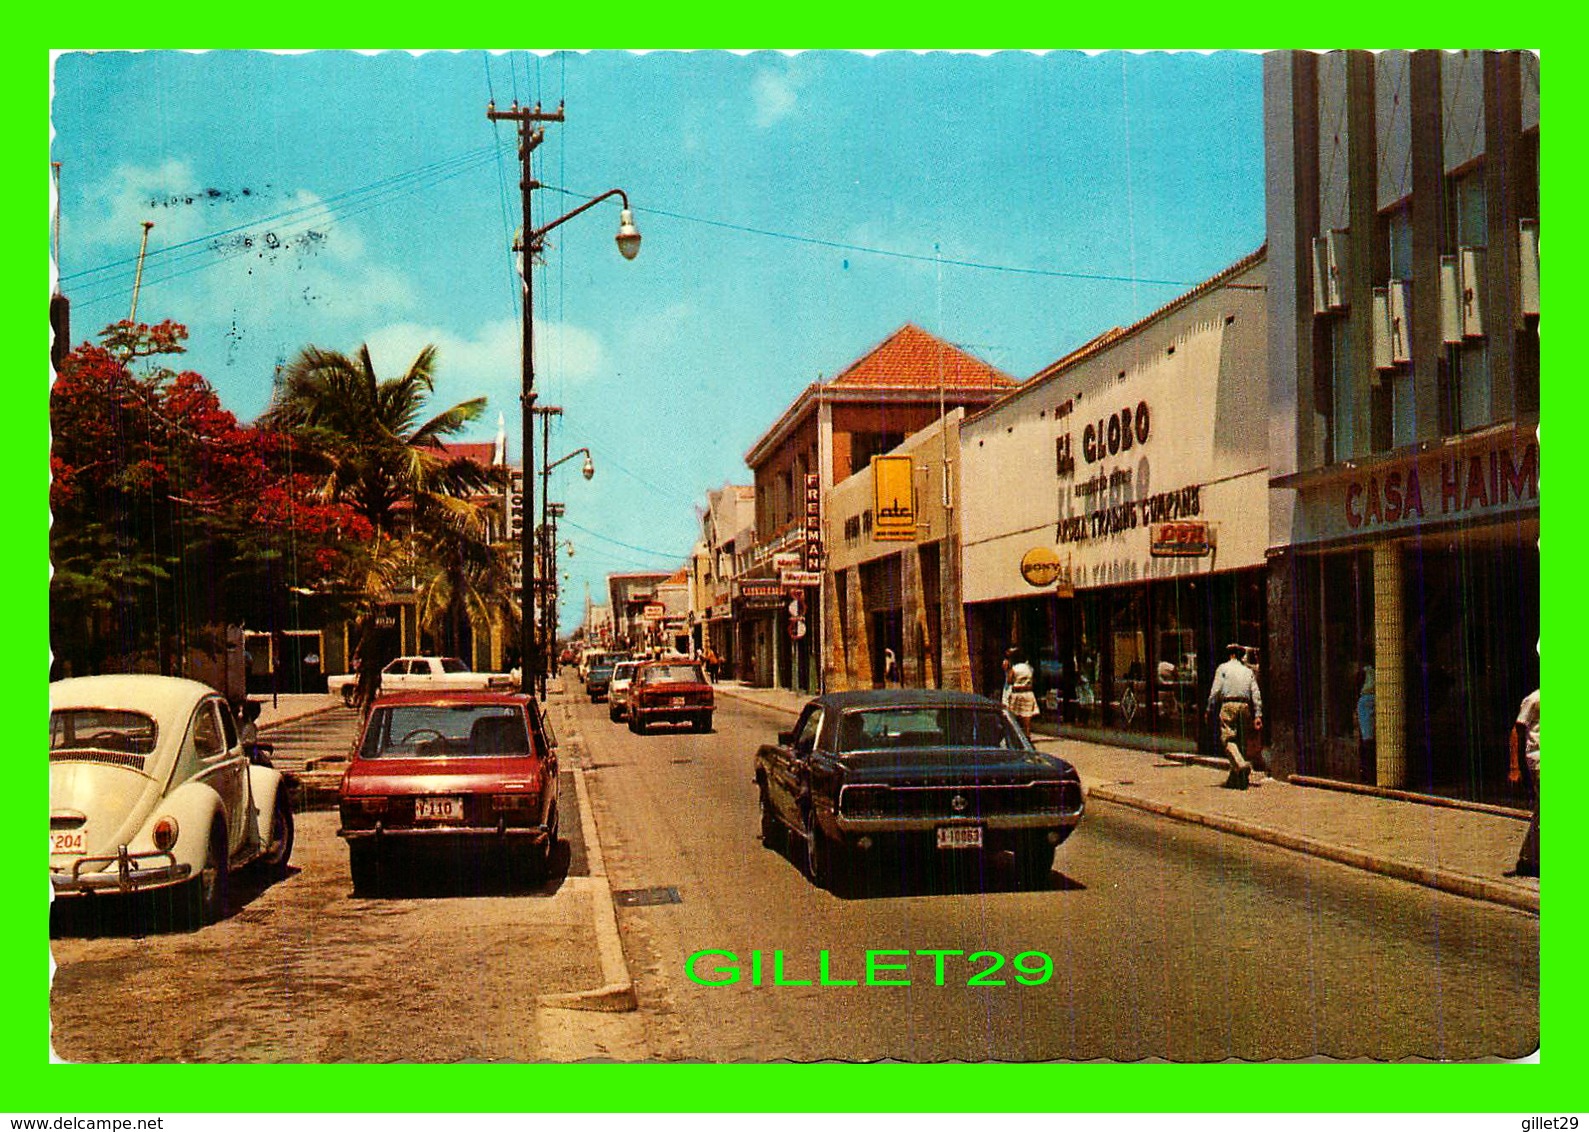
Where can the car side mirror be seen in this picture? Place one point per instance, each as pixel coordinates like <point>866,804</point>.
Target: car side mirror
<point>786,738</point>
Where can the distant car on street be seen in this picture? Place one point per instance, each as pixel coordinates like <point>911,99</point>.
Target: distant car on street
<point>920,773</point>
<point>670,691</point>
<point>618,689</point>
<point>451,770</point>
<point>424,673</point>
<point>151,787</point>
<point>598,680</point>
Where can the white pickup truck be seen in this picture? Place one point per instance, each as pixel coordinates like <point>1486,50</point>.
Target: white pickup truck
<point>425,674</point>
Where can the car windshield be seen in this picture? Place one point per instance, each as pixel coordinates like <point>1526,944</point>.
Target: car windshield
<point>624,671</point>
<point>883,729</point>
<point>672,674</point>
<point>439,731</point>
<point>102,729</point>
<point>601,671</point>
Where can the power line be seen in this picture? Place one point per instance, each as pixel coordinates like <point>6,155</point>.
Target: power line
<point>890,253</point>
<point>672,556</point>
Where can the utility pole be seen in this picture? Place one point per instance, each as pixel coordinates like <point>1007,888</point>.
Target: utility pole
<point>530,136</point>
<point>548,553</point>
<point>137,279</point>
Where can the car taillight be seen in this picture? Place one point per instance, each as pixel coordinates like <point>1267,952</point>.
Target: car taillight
<point>165,833</point>
<point>522,801</point>
<point>374,805</point>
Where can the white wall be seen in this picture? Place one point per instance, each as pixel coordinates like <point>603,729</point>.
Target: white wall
<point>1207,404</point>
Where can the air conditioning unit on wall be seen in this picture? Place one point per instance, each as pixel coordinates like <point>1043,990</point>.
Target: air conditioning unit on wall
<point>1400,321</point>
<point>1528,264</point>
<point>1329,271</point>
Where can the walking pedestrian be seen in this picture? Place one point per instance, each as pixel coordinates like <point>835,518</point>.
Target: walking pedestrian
<point>1236,702</point>
<point>1022,700</point>
<point>1525,738</point>
<point>890,668</point>
<point>1366,767</point>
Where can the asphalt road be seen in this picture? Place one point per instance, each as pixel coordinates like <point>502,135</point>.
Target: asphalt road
<point>1167,940</point>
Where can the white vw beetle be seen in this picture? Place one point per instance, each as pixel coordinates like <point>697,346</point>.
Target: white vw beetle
<point>151,788</point>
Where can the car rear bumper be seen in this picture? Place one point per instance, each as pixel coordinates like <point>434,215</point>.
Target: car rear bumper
<point>134,872</point>
<point>993,824</point>
<point>473,835</point>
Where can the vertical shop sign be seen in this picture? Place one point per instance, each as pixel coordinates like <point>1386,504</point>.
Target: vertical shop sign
<point>813,521</point>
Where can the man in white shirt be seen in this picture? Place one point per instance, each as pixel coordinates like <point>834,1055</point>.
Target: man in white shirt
<point>1236,702</point>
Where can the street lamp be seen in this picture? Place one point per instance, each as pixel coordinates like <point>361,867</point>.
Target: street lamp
<point>533,242</point>
<point>549,514</point>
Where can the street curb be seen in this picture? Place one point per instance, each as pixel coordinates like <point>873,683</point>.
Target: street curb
<point>286,719</point>
<point>738,694</point>
<point>1458,884</point>
<point>617,994</point>
<point>1410,796</point>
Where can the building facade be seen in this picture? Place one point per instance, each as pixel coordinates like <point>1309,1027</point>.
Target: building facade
<point>828,433</point>
<point>1115,518</point>
<point>728,529</point>
<point>892,583</point>
<point>1403,220</point>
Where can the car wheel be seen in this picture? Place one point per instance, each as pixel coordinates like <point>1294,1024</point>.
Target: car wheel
<point>1034,858</point>
<point>703,723</point>
<point>278,850</point>
<point>534,861</point>
<point>612,714</point>
<point>209,892</point>
<point>772,832</point>
<point>365,865</point>
<point>824,858</point>
<point>635,725</point>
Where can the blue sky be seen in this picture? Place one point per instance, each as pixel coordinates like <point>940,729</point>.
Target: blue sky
<point>790,207</point>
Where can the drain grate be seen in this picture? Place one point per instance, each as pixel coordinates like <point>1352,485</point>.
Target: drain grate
<point>643,897</point>
<point>680,762</point>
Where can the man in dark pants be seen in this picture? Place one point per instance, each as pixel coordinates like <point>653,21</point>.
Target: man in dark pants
<point>1525,739</point>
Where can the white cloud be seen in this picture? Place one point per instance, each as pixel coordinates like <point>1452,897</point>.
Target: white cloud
<point>487,364</point>
<point>775,96</point>
<point>234,255</point>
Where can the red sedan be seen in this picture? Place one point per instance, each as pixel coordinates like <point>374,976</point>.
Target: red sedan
<point>670,691</point>
<point>450,771</point>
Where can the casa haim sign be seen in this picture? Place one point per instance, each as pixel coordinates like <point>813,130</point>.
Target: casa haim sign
<point>894,499</point>
<point>1443,487</point>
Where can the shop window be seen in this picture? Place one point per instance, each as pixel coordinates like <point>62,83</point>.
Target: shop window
<point>1129,691</point>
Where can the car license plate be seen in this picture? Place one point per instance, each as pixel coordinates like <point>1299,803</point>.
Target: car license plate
<point>438,809</point>
<point>67,843</point>
<point>676,701</point>
<point>959,837</point>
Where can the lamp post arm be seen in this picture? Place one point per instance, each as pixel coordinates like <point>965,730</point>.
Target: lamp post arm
<point>565,459</point>
<point>536,236</point>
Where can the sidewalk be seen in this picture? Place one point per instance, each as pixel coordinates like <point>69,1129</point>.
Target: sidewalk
<point>1452,849</point>
<point>274,711</point>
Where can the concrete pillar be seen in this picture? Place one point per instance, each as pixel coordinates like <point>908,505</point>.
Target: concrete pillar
<point>952,617</point>
<point>913,666</point>
<point>1280,665</point>
<point>835,675</point>
<point>858,653</point>
<point>1390,692</point>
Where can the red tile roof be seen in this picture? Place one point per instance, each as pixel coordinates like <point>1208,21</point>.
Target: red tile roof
<point>910,358</point>
<point>484,454</point>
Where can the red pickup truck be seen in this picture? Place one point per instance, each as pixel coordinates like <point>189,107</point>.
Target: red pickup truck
<point>670,691</point>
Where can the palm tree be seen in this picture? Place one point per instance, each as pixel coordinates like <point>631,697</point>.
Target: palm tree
<point>382,457</point>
